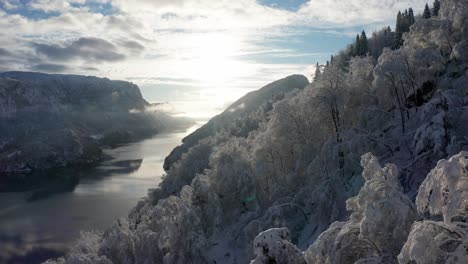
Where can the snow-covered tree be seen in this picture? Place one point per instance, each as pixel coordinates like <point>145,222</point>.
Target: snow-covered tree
<point>317,73</point>
<point>232,177</point>
<point>193,162</point>
<point>392,77</point>
<point>381,39</point>
<point>293,162</point>
<point>444,194</point>
<point>274,246</point>
<point>379,224</point>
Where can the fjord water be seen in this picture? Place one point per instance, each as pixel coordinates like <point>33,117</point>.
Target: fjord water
<point>44,221</point>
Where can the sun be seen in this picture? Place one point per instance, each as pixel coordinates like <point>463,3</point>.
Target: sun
<point>213,62</point>
<point>213,59</point>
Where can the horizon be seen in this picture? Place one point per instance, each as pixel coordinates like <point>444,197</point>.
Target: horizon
<point>199,56</point>
<point>250,131</point>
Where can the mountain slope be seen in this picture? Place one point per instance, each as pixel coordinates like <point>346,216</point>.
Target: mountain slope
<point>303,185</point>
<point>52,121</point>
<point>240,109</point>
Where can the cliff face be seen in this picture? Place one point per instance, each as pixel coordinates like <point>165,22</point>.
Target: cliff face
<point>59,120</point>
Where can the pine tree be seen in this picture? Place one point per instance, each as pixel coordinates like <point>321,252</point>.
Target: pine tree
<point>427,12</point>
<point>436,8</point>
<point>411,18</point>
<point>317,72</point>
<point>399,22</point>
<point>399,29</point>
<point>357,46</point>
<point>406,21</point>
<point>364,44</point>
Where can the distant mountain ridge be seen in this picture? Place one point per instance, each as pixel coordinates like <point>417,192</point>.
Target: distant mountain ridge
<point>54,120</point>
<point>81,92</point>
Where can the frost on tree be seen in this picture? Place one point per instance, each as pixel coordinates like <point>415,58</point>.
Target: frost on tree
<point>439,116</point>
<point>378,226</point>
<point>443,195</point>
<point>273,246</point>
<point>84,252</point>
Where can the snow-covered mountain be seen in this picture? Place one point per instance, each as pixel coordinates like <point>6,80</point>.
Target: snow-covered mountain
<point>239,119</point>
<point>49,121</point>
<point>300,185</point>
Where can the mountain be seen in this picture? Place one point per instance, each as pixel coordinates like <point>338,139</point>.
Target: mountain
<point>367,164</point>
<point>50,121</point>
<point>240,110</point>
<point>238,120</point>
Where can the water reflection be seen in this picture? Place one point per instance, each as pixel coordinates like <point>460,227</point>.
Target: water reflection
<point>42,219</point>
<point>66,181</point>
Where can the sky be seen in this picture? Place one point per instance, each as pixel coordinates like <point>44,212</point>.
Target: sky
<point>197,55</point>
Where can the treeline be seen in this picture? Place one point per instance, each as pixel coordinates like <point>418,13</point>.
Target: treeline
<point>384,38</point>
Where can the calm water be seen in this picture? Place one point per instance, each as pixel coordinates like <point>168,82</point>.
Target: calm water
<point>44,221</point>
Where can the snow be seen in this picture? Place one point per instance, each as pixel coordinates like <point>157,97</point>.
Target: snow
<point>290,178</point>
<point>443,193</point>
<point>445,190</point>
<point>379,223</point>
<point>274,246</point>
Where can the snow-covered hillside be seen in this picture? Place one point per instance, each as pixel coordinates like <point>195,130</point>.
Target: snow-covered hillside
<point>49,121</point>
<point>301,185</point>
<point>243,116</point>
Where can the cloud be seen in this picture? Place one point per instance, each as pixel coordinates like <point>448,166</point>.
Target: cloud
<point>4,52</point>
<point>94,49</point>
<point>51,68</point>
<point>87,68</point>
<point>133,46</point>
<point>50,5</point>
<point>221,45</point>
<point>349,13</point>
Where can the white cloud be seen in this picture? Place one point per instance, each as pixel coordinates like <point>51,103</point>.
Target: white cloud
<point>205,43</point>
<point>333,13</point>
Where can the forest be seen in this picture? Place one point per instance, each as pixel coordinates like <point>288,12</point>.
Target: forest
<point>366,164</point>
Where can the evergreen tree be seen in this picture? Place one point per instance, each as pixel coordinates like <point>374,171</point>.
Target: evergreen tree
<point>399,22</point>
<point>399,29</point>
<point>364,44</point>
<point>411,18</point>
<point>317,72</point>
<point>427,12</point>
<point>357,46</point>
<point>404,21</point>
<point>436,8</point>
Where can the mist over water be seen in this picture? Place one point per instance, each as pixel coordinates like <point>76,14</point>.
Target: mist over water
<point>43,221</point>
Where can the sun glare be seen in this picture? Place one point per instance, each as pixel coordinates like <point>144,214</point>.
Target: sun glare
<point>213,61</point>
